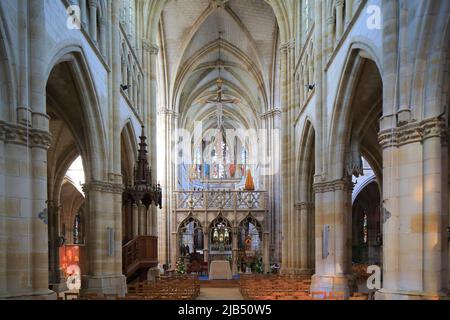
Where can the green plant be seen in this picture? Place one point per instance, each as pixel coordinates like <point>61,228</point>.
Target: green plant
<point>180,267</point>
<point>259,267</point>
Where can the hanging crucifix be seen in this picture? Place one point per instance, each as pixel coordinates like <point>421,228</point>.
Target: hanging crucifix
<point>219,101</point>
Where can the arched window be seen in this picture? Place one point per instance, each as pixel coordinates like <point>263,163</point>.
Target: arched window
<point>365,229</point>
<point>191,237</point>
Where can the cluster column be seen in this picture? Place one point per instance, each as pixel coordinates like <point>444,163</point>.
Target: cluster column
<point>333,237</point>
<point>104,239</point>
<point>166,225</point>
<point>415,198</point>
<point>271,167</point>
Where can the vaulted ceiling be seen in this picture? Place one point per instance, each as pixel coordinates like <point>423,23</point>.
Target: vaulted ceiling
<point>235,40</point>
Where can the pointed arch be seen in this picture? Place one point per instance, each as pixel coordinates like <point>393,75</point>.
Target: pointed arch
<point>129,151</point>
<point>306,163</point>
<point>94,148</point>
<point>344,107</point>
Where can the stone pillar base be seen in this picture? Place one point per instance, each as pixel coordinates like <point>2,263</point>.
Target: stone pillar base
<point>336,285</point>
<point>385,294</point>
<point>41,295</point>
<point>113,284</point>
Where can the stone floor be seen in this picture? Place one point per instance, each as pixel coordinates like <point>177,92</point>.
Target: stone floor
<point>220,294</point>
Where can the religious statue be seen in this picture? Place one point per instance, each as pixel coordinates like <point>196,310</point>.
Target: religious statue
<point>232,170</point>
<point>248,242</point>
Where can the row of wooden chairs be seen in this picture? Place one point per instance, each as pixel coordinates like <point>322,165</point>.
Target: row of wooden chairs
<point>173,287</point>
<point>274,287</point>
<point>289,287</point>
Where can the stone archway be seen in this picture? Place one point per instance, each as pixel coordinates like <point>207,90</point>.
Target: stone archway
<point>74,116</point>
<point>354,134</point>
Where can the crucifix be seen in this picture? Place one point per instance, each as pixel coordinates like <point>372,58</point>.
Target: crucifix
<point>220,101</point>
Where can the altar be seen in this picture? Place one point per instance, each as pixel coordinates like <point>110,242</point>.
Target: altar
<point>220,270</point>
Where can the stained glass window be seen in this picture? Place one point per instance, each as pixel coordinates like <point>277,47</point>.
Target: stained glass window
<point>365,229</point>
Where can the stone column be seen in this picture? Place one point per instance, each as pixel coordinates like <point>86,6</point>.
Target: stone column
<point>303,212</point>
<point>234,248</point>
<point>330,36</point>
<point>103,31</point>
<point>333,260</point>
<point>84,14</point>
<point>56,276</point>
<point>151,52</point>
<point>287,154</point>
<point>266,248</point>
<point>415,243</point>
<point>272,166</point>
<point>93,20</point>
<point>348,12</point>
<point>104,239</point>
<point>339,18</point>
<point>206,244</point>
<point>166,169</point>
<point>135,212</point>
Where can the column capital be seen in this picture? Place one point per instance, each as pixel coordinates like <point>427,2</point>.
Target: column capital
<point>270,114</point>
<point>151,48</point>
<point>414,132</point>
<point>103,186</point>
<point>330,20</point>
<point>23,135</point>
<point>218,3</point>
<point>287,46</point>
<point>168,112</point>
<point>303,205</point>
<point>339,3</point>
<point>335,185</point>
<point>93,3</point>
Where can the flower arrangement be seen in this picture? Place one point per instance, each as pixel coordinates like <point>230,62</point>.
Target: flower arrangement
<point>259,267</point>
<point>180,267</point>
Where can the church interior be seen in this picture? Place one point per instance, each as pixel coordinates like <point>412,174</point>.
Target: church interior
<point>224,149</point>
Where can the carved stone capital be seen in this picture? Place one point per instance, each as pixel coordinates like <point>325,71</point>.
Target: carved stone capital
<point>339,3</point>
<point>168,112</point>
<point>23,135</point>
<point>330,21</point>
<point>287,46</point>
<point>151,48</point>
<point>270,114</point>
<point>414,132</point>
<point>218,3</point>
<point>335,185</point>
<point>102,186</point>
<point>301,206</point>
